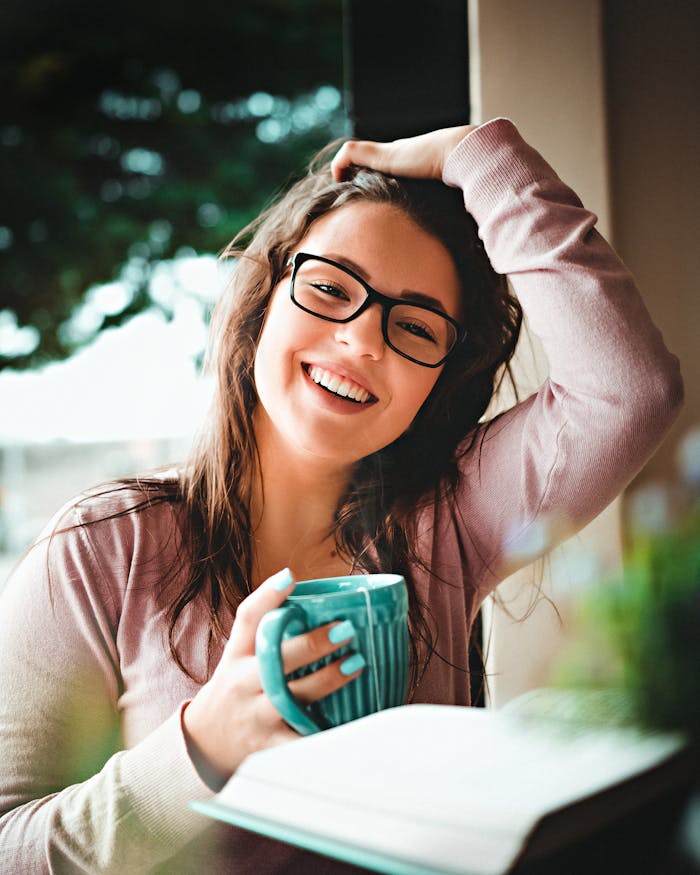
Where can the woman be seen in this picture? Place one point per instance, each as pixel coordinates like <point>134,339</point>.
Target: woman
<point>356,352</point>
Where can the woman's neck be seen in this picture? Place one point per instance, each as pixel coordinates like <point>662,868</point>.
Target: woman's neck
<point>293,509</point>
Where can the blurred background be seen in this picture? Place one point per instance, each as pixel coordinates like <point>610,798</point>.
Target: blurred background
<point>137,138</point>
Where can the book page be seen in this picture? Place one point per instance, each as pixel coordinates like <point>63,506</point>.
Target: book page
<point>431,779</point>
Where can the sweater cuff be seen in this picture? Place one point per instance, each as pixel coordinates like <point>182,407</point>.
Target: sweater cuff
<point>491,163</point>
<point>167,781</point>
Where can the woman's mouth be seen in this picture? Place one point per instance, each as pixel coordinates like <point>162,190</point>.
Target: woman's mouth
<point>342,387</point>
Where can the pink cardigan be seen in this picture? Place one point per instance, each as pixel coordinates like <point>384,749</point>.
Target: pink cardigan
<point>94,772</point>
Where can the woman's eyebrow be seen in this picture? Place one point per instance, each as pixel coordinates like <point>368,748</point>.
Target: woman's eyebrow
<point>408,294</point>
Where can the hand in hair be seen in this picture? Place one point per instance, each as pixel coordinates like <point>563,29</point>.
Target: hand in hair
<point>421,157</point>
<point>231,717</point>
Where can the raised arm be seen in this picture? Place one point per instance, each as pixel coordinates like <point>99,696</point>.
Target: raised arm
<point>613,388</point>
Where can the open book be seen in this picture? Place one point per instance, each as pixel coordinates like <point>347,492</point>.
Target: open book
<point>439,789</point>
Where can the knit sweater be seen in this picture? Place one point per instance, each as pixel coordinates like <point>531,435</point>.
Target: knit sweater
<point>94,770</point>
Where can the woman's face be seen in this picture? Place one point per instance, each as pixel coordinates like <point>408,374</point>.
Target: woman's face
<point>298,351</point>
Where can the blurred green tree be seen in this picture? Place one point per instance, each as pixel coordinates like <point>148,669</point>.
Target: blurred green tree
<point>134,131</point>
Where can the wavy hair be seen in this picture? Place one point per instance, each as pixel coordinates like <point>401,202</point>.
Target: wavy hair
<point>375,523</point>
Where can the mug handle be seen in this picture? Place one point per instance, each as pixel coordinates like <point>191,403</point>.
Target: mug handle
<point>268,641</point>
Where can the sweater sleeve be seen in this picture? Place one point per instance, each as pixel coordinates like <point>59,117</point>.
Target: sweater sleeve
<point>70,799</point>
<point>553,462</point>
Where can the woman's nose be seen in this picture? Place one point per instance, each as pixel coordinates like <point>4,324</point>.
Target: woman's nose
<point>363,335</point>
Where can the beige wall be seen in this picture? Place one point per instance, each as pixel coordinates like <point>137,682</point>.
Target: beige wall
<point>540,63</point>
<point>608,101</point>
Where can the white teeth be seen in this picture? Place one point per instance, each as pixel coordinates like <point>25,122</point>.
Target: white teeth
<point>338,385</point>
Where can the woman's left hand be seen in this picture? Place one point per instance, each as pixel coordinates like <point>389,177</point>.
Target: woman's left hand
<point>420,157</point>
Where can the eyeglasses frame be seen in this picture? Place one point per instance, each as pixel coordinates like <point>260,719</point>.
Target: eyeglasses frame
<point>373,297</point>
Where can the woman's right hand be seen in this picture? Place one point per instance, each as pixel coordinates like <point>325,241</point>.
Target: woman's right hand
<point>231,717</point>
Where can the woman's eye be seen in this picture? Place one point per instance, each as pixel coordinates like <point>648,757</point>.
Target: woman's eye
<point>418,330</point>
<point>331,290</point>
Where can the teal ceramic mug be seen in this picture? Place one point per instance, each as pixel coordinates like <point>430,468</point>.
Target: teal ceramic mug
<point>377,606</point>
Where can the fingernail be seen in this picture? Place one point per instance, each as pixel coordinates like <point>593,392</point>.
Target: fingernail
<point>342,632</point>
<point>352,664</point>
<point>281,580</point>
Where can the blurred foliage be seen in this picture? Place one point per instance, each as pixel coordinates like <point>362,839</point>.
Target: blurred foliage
<point>131,132</point>
<point>640,633</point>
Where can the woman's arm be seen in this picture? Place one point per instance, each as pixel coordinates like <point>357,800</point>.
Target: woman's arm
<point>70,800</point>
<point>613,388</point>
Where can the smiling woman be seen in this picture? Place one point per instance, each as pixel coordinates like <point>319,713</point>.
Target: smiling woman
<point>351,347</point>
<point>356,348</point>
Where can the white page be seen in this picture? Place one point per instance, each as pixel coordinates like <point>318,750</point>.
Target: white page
<point>444,767</point>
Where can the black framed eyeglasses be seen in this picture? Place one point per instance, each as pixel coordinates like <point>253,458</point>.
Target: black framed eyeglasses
<point>331,291</point>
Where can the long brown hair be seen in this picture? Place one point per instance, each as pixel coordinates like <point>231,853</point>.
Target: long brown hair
<point>375,525</point>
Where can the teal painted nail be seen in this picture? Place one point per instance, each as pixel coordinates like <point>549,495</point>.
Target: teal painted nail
<point>281,580</point>
<point>342,632</point>
<point>352,664</point>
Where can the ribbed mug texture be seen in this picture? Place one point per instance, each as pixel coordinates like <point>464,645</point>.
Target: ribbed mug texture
<point>381,637</point>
